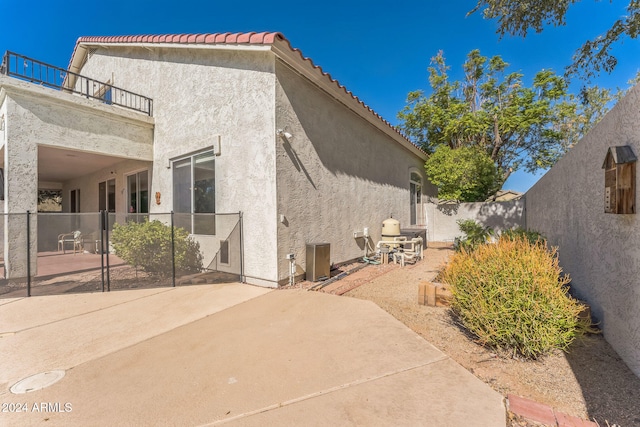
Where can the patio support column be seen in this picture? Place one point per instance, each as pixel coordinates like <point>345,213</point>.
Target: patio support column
<point>20,196</point>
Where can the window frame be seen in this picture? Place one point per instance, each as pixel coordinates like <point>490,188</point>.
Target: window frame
<point>129,206</point>
<point>104,196</point>
<point>415,196</point>
<point>194,227</point>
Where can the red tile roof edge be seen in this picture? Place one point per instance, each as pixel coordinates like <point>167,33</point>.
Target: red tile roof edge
<point>264,38</point>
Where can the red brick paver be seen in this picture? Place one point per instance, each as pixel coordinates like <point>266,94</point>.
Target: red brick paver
<point>541,413</point>
<point>532,410</point>
<point>565,420</point>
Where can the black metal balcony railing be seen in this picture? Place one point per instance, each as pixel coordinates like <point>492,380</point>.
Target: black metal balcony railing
<point>34,71</point>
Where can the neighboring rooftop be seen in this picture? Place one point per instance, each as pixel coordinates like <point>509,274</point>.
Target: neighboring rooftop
<point>505,195</point>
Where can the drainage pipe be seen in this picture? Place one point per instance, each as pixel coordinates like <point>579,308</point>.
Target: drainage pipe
<point>292,270</point>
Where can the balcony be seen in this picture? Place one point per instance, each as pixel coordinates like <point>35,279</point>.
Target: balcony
<point>34,71</point>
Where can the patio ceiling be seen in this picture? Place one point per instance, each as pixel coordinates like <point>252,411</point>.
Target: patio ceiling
<point>60,165</point>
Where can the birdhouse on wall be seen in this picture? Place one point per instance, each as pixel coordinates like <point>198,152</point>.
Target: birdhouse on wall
<point>620,180</point>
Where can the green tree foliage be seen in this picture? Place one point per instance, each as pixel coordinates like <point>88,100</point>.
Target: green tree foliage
<point>147,245</point>
<point>518,17</point>
<point>466,174</point>
<point>493,110</point>
<point>594,103</point>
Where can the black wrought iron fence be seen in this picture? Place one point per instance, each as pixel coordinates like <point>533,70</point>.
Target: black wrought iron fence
<point>32,70</point>
<point>55,253</point>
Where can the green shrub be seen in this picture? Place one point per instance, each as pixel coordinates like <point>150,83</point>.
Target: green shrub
<point>512,296</point>
<point>147,245</point>
<point>474,235</point>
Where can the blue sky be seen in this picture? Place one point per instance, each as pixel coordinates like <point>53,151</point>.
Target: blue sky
<point>379,50</point>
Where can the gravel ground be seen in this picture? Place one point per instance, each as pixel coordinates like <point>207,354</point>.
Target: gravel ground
<point>590,382</point>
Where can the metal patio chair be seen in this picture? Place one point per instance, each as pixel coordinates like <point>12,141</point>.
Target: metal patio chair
<point>74,238</point>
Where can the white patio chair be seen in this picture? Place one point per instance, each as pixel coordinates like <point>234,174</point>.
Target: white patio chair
<point>74,238</point>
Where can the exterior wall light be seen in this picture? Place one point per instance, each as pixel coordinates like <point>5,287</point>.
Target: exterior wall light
<point>284,134</point>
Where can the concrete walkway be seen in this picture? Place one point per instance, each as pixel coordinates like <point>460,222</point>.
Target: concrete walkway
<point>229,354</point>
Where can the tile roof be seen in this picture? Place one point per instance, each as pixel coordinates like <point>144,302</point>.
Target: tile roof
<point>252,38</point>
<point>224,38</point>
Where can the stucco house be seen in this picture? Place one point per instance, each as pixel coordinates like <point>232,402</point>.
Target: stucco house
<point>222,123</point>
<point>572,206</point>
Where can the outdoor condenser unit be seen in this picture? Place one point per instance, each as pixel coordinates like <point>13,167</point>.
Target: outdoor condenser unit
<point>318,261</point>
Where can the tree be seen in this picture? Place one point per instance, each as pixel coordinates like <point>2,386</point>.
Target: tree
<point>465,174</point>
<point>518,17</point>
<point>591,104</point>
<point>492,110</point>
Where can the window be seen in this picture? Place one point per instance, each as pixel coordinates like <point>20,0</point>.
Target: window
<point>107,196</point>
<point>138,192</point>
<point>415,190</point>
<point>194,192</point>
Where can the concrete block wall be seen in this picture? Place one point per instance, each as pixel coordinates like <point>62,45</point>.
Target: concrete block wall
<point>599,250</point>
<point>499,216</point>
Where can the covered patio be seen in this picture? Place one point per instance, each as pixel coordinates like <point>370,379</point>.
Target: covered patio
<point>54,140</point>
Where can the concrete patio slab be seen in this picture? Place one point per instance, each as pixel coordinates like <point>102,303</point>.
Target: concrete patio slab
<point>19,316</point>
<point>281,358</point>
<point>62,331</point>
<point>437,394</point>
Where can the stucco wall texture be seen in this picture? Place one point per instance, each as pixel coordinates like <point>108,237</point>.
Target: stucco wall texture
<point>202,96</point>
<point>21,178</point>
<point>337,174</point>
<point>340,173</point>
<point>599,251</point>
<point>37,116</point>
<point>499,216</point>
